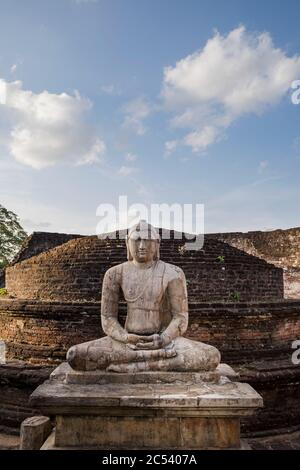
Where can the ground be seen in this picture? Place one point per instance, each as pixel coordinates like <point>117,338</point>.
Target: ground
<point>8,442</point>
<point>288,441</point>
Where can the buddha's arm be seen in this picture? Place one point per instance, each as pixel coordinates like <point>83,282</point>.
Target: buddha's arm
<point>109,306</point>
<point>177,294</point>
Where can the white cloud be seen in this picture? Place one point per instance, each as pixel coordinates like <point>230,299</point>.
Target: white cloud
<point>231,76</point>
<point>48,128</point>
<point>262,166</point>
<point>136,111</point>
<point>13,68</point>
<point>110,90</point>
<point>130,157</point>
<point>170,147</point>
<point>200,140</point>
<point>127,170</point>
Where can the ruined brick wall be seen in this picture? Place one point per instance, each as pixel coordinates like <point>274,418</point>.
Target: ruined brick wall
<point>74,271</point>
<point>42,331</point>
<point>254,337</point>
<point>39,242</point>
<point>279,247</point>
<point>17,381</point>
<point>57,304</point>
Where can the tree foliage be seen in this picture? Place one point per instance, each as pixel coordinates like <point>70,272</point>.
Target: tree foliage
<point>11,236</point>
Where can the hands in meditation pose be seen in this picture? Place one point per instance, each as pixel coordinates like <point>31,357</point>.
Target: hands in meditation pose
<point>157,316</point>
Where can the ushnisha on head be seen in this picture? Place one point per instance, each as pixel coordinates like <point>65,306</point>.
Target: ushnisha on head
<point>143,243</point>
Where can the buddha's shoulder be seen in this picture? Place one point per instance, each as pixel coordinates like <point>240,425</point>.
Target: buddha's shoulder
<point>171,271</point>
<point>115,272</point>
<point>167,270</point>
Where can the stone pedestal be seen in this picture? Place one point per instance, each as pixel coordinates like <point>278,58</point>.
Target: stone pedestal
<point>154,410</point>
<point>34,432</point>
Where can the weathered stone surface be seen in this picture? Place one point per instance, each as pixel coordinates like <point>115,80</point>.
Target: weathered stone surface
<point>206,433</point>
<point>34,432</point>
<point>230,398</point>
<point>226,371</point>
<point>157,316</point>
<point>65,373</point>
<point>150,415</point>
<point>97,377</point>
<point>151,432</point>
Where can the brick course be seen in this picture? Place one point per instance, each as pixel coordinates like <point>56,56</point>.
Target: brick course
<point>74,271</point>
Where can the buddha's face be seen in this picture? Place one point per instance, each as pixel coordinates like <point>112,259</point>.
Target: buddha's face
<point>142,249</point>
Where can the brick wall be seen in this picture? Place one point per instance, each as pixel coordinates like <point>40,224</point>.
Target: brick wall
<point>74,271</point>
<point>42,331</point>
<point>254,337</point>
<point>279,247</point>
<point>39,242</point>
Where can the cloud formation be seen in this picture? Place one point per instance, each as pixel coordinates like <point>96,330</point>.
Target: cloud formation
<point>230,77</point>
<point>263,165</point>
<point>170,147</point>
<point>126,170</point>
<point>130,157</point>
<point>110,89</point>
<point>48,128</point>
<point>13,68</point>
<point>136,111</point>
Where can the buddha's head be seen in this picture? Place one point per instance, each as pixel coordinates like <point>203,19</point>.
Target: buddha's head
<point>142,243</point>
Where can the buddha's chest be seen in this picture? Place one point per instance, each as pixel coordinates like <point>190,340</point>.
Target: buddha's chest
<point>143,287</point>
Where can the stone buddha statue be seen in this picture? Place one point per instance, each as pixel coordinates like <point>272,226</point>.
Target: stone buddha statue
<point>157,316</point>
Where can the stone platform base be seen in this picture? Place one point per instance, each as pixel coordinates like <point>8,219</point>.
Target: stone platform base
<point>50,445</point>
<point>156,411</point>
<point>70,376</point>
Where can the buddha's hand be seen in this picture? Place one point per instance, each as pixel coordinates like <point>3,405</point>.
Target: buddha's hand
<point>154,342</point>
<point>134,341</point>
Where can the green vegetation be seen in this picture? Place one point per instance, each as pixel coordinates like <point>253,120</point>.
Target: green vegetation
<point>3,291</point>
<point>235,296</point>
<point>12,236</point>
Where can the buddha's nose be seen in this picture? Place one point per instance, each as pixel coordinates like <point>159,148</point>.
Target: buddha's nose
<point>142,245</point>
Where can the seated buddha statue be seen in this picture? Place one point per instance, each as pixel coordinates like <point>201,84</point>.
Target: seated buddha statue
<point>152,338</point>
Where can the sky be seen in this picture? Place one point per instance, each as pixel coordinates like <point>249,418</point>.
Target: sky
<point>162,101</point>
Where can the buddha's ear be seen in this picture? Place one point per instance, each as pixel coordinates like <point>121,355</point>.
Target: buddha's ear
<point>129,255</point>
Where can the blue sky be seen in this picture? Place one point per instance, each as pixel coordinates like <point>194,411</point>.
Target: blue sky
<point>164,101</point>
